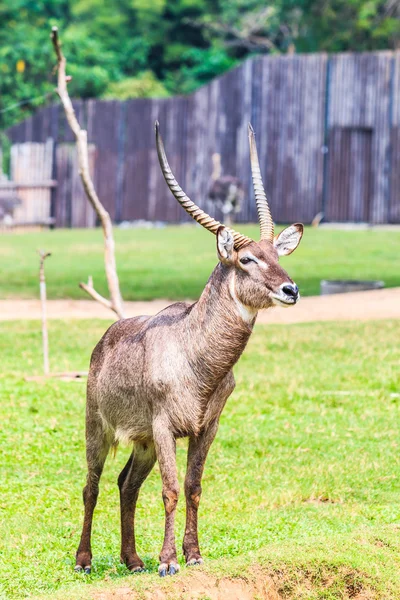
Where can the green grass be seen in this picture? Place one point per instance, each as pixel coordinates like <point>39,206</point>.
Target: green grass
<point>176,262</point>
<point>303,478</point>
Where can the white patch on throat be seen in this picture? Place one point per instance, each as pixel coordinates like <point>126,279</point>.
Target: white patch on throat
<point>247,313</point>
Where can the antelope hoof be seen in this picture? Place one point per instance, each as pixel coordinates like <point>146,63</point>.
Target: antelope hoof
<point>168,569</point>
<point>137,569</point>
<point>194,561</point>
<point>83,562</point>
<point>133,563</point>
<point>79,569</point>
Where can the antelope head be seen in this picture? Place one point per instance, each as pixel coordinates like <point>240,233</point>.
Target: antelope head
<point>258,281</point>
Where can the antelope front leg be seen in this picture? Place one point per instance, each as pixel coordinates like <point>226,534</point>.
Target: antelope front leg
<point>197,454</point>
<point>165,446</point>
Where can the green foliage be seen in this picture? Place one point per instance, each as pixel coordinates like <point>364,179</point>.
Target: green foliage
<point>302,479</point>
<point>199,66</point>
<point>5,153</point>
<point>176,262</point>
<point>19,41</point>
<point>145,85</point>
<point>345,25</point>
<point>182,43</point>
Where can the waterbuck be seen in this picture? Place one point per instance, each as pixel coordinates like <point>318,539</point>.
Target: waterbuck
<point>155,379</point>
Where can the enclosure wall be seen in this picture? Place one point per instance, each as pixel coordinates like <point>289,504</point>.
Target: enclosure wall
<point>327,130</point>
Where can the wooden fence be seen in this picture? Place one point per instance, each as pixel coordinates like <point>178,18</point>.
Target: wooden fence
<point>328,132</point>
<point>27,195</point>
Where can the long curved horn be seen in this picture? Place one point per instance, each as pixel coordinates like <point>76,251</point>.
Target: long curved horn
<point>264,213</point>
<point>191,208</point>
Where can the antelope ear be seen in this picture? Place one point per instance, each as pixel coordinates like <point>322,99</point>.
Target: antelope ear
<point>225,244</point>
<point>288,239</point>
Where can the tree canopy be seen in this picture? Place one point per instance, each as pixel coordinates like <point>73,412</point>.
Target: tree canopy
<point>136,48</point>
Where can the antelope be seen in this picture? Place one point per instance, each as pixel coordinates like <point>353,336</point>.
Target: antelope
<point>225,191</point>
<point>155,379</point>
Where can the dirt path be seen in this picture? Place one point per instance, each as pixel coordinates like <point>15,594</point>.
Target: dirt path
<point>358,306</point>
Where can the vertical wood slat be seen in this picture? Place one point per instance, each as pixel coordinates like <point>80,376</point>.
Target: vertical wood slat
<point>32,162</point>
<point>102,129</point>
<point>136,167</point>
<point>285,99</point>
<point>72,208</point>
<point>350,174</point>
<point>394,206</point>
<point>394,200</point>
<point>62,212</point>
<point>360,98</point>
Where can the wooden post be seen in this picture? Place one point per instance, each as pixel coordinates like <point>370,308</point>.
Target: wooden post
<point>42,279</point>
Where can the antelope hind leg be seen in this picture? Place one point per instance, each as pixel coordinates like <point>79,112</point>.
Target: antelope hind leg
<point>130,480</point>
<point>97,447</point>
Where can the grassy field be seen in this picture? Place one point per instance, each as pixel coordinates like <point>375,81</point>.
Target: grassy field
<point>303,478</point>
<point>176,262</point>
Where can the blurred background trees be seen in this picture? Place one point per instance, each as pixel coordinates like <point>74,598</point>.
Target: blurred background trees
<point>136,48</point>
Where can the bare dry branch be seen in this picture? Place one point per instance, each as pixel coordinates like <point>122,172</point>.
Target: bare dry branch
<point>115,303</point>
<point>89,289</point>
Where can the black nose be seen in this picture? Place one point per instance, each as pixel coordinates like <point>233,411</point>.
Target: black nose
<point>291,290</point>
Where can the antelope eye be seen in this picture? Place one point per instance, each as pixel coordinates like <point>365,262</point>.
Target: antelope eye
<point>245,260</point>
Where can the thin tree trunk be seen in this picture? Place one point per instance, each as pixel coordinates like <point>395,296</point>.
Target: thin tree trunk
<point>45,339</point>
<point>115,303</point>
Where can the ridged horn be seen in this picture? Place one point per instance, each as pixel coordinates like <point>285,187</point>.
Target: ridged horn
<point>264,213</point>
<point>191,208</point>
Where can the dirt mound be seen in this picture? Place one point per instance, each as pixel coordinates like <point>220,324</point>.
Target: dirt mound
<point>201,586</point>
<point>255,585</point>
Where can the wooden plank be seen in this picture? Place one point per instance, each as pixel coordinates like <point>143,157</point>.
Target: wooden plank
<point>394,155</point>
<point>62,200</point>
<point>394,214</point>
<point>136,166</point>
<point>161,198</point>
<point>360,97</point>
<point>102,128</point>
<point>72,208</point>
<point>32,162</point>
<point>350,174</point>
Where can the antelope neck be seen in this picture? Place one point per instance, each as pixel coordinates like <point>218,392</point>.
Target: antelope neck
<point>217,327</point>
